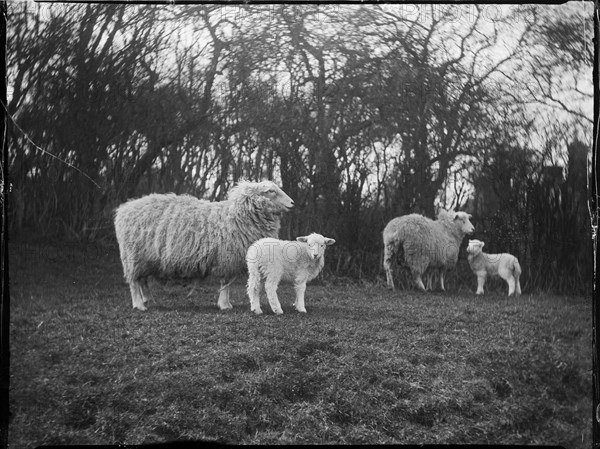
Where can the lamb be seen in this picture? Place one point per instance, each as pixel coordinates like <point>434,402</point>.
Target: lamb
<point>425,243</point>
<point>180,236</point>
<point>275,260</point>
<point>503,265</point>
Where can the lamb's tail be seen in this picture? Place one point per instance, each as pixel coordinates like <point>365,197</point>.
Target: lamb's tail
<point>516,267</point>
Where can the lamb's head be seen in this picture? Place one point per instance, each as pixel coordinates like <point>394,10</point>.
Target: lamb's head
<point>316,244</point>
<point>461,220</point>
<point>475,247</point>
<point>266,195</point>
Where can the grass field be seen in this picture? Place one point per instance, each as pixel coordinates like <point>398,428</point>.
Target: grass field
<point>364,365</point>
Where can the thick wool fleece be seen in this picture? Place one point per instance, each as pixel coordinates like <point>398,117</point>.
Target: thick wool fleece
<point>168,235</point>
<point>425,242</point>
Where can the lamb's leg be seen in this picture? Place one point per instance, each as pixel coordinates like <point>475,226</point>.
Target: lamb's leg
<point>511,285</point>
<point>517,286</point>
<point>254,288</point>
<point>480,282</point>
<point>136,295</point>
<point>223,301</point>
<point>299,304</point>
<point>442,279</point>
<point>271,289</point>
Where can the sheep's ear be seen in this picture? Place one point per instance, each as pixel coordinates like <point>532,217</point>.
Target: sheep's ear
<point>482,244</point>
<point>456,217</point>
<point>329,241</point>
<point>266,186</point>
<point>302,239</point>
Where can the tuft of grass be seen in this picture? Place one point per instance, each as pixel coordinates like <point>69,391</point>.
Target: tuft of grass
<point>365,365</point>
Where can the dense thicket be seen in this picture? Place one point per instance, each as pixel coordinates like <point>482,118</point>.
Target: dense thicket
<point>362,113</point>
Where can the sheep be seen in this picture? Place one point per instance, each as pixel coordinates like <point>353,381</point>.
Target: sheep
<point>503,265</point>
<point>275,260</point>
<point>425,243</point>
<point>180,236</point>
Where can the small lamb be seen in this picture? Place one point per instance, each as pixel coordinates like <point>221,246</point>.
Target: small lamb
<point>274,260</point>
<point>504,265</point>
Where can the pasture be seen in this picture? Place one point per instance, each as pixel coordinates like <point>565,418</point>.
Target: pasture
<point>364,365</point>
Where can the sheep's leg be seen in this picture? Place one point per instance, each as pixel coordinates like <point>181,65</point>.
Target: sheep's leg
<point>480,283</point>
<point>428,280</point>
<point>254,288</point>
<point>136,295</point>
<point>223,301</point>
<point>442,280</point>
<point>390,278</point>
<point>299,304</point>
<point>419,282</point>
<point>271,289</point>
<point>387,265</point>
<point>192,292</point>
<point>145,291</point>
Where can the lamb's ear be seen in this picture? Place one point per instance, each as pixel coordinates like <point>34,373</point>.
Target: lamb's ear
<point>329,241</point>
<point>302,239</point>
<point>456,217</point>
<point>482,244</point>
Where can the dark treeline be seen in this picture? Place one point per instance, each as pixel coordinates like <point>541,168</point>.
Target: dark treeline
<point>362,113</point>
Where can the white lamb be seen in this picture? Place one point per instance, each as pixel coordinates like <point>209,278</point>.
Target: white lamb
<point>274,260</point>
<point>503,265</point>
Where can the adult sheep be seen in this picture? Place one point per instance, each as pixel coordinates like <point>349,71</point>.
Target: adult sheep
<point>180,236</point>
<point>425,243</point>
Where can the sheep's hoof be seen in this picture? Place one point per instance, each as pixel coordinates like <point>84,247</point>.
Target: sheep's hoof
<point>257,311</point>
<point>142,307</point>
<point>278,312</point>
<point>479,293</point>
<point>301,310</point>
<point>225,307</point>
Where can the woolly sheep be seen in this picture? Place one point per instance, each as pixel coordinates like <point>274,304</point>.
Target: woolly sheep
<point>425,243</point>
<point>180,236</point>
<point>275,260</point>
<point>503,265</point>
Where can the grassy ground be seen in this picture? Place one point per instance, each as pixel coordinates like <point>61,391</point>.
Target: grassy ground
<point>365,365</point>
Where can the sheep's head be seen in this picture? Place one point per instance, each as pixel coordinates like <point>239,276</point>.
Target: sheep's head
<point>265,195</point>
<point>280,202</point>
<point>316,244</point>
<point>462,219</point>
<point>475,247</point>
